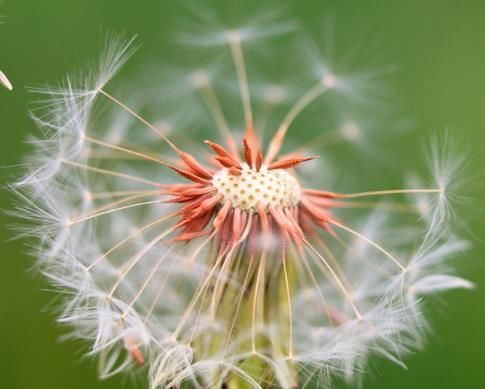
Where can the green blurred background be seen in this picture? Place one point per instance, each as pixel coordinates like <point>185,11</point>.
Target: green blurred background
<point>439,47</point>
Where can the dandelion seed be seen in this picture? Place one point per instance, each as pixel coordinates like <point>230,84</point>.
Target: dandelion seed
<point>5,82</point>
<point>221,267</point>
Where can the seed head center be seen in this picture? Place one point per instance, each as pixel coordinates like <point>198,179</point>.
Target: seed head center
<point>268,187</point>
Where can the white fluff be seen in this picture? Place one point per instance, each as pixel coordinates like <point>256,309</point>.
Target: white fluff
<point>141,291</point>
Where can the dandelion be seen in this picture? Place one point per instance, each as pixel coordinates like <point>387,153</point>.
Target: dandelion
<point>214,263</point>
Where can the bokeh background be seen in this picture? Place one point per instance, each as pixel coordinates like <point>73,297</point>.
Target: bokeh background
<point>439,49</point>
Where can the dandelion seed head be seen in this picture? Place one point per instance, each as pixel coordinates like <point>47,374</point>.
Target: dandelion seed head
<point>200,78</point>
<point>350,130</point>
<point>274,94</point>
<point>329,81</point>
<point>236,260</point>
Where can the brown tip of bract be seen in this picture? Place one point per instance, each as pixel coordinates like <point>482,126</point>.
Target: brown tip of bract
<point>5,82</point>
<point>135,352</point>
<point>248,157</point>
<point>289,163</point>
<point>223,157</point>
<point>259,160</point>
